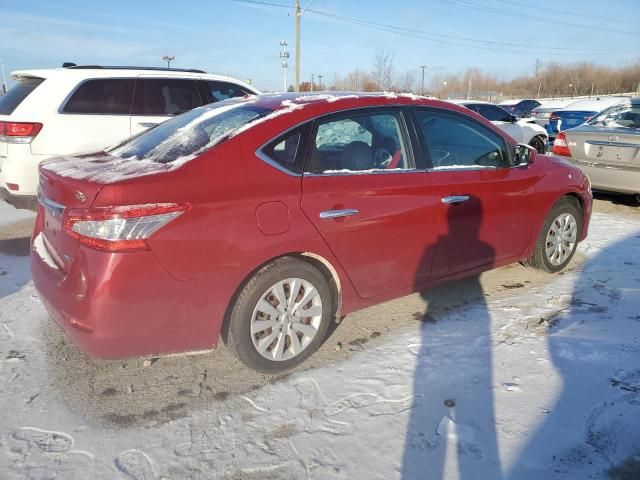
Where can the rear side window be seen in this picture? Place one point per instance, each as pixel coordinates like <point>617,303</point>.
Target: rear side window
<point>454,142</point>
<point>213,91</point>
<point>190,134</point>
<point>17,93</point>
<point>106,96</point>
<point>165,96</point>
<point>288,150</point>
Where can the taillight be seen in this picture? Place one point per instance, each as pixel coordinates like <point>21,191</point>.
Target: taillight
<point>19,132</point>
<point>120,229</point>
<point>560,145</point>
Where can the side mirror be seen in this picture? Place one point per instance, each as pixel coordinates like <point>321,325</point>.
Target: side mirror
<point>513,118</point>
<point>524,154</point>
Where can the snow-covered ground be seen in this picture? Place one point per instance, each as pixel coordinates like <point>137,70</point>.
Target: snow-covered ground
<point>540,383</point>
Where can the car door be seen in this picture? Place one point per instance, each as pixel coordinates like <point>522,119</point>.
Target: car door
<point>157,99</point>
<point>375,210</point>
<point>484,201</point>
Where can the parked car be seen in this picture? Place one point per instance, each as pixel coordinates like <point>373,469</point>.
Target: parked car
<point>607,148</point>
<point>87,108</point>
<point>263,219</point>
<point>520,108</point>
<point>543,112</point>
<point>577,113</point>
<point>524,131</point>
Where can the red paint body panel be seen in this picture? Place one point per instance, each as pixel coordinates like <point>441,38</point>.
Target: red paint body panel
<point>243,213</point>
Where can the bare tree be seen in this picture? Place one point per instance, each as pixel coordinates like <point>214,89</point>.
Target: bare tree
<point>383,69</point>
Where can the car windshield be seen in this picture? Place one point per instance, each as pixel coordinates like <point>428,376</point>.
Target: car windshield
<point>619,116</point>
<point>191,133</point>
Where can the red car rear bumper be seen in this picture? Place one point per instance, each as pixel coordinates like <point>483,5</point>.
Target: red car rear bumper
<point>127,305</point>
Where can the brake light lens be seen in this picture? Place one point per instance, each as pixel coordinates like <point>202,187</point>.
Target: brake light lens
<point>120,229</point>
<point>560,145</point>
<point>19,132</point>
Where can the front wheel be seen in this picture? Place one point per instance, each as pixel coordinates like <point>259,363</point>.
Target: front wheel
<point>539,144</point>
<point>281,316</point>
<point>558,238</point>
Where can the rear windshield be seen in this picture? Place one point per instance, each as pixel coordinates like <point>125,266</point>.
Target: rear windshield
<point>619,116</point>
<point>17,93</point>
<point>191,133</point>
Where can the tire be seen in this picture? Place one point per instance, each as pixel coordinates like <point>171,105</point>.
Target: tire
<point>549,254</point>
<point>270,347</point>
<point>538,144</point>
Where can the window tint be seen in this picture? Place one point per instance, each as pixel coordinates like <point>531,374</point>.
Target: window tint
<point>284,151</point>
<point>17,93</point>
<point>165,96</point>
<point>190,134</point>
<point>455,142</point>
<point>213,91</point>
<point>359,143</point>
<point>104,96</point>
<point>493,113</point>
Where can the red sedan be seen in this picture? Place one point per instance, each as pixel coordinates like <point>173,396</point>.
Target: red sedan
<point>260,220</point>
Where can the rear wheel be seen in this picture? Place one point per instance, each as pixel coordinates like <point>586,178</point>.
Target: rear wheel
<point>558,238</point>
<point>281,316</point>
<point>539,144</point>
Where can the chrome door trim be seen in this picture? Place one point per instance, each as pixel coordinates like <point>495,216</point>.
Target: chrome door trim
<point>347,212</point>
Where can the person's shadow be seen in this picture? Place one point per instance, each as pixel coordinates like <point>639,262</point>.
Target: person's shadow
<point>443,436</point>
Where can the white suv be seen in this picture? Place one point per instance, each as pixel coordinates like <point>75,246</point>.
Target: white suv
<point>81,109</point>
<point>524,130</point>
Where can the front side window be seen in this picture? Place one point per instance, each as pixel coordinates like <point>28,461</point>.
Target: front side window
<point>626,115</point>
<point>454,142</point>
<point>359,143</point>
<point>165,96</point>
<point>110,96</point>
<point>190,134</point>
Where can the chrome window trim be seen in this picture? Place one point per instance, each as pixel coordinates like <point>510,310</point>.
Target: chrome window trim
<point>612,144</point>
<point>363,172</point>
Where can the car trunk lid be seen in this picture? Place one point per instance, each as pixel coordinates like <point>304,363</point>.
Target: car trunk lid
<point>605,146</point>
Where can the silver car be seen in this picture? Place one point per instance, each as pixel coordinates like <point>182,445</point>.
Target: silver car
<point>607,148</point>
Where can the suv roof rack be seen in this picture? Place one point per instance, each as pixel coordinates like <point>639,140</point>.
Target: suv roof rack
<point>121,67</point>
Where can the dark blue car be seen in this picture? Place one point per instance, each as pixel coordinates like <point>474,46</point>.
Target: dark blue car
<point>577,113</point>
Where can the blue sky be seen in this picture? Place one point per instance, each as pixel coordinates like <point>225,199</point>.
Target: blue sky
<point>242,40</point>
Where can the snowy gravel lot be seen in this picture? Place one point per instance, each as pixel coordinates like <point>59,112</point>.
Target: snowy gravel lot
<point>515,375</point>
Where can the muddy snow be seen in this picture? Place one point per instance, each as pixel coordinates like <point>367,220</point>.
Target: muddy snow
<point>513,375</point>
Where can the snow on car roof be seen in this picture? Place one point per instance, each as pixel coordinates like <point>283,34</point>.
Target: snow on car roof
<point>591,105</point>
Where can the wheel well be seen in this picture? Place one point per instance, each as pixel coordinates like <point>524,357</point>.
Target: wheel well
<point>323,265</point>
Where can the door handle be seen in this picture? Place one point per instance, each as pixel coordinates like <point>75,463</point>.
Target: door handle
<point>455,199</point>
<point>148,124</point>
<point>338,213</point>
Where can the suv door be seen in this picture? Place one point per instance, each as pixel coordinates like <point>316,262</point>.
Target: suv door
<point>483,199</point>
<point>374,209</point>
<point>157,99</point>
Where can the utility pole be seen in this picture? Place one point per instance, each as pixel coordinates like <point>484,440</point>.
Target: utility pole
<point>537,66</point>
<point>284,57</point>
<point>423,67</point>
<point>298,13</point>
<point>320,81</point>
<point>168,59</point>
<point>4,78</point>
<point>312,77</point>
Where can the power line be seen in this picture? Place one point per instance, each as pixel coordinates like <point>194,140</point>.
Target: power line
<point>509,13</point>
<point>565,12</point>
<point>438,37</point>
